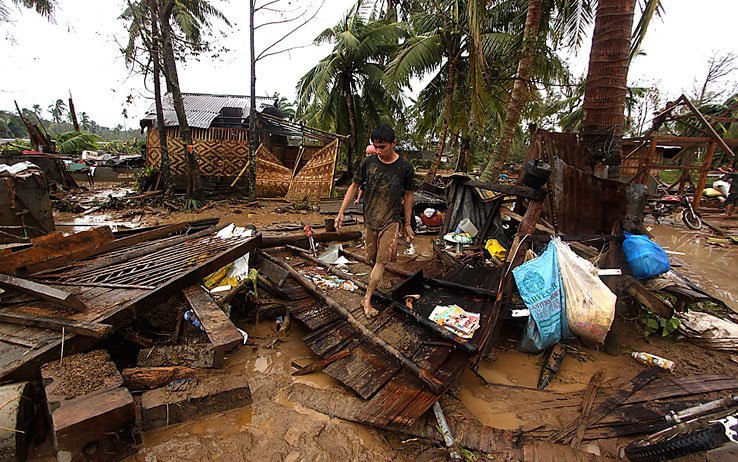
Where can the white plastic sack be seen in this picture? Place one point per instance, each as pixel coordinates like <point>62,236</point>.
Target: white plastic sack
<point>590,305</point>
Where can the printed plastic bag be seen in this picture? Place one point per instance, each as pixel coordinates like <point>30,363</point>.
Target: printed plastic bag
<point>590,305</point>
<point>539,284</point>
<point>645,257</point>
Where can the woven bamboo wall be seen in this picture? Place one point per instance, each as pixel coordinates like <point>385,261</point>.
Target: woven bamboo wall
<point>221,152</point>
<point>272,178</point>
<point>315,180</point>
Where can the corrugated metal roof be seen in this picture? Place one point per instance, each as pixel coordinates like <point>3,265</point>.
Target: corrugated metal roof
<point>202,109</point>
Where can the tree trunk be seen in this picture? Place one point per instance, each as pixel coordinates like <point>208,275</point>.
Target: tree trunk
<point>450,84</point>
<point>252,110</point>
<point>164,167</point>
<point>194,182</point>
<point>462,163</point>
<point>519,95</point>
<point>352,126</point>
<point>73,113</point>
<point>606,88</point>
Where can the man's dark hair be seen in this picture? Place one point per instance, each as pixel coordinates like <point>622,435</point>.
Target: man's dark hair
<point>383,134</point>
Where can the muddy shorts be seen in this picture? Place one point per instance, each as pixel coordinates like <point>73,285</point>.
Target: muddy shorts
<point>381,245</point>
<point>732,199</point>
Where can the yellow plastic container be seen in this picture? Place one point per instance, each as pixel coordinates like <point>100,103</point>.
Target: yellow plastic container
<point>495,249</point>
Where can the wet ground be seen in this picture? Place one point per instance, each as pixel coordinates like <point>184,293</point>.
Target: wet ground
<point>274,428</point>
<point>712,267</point>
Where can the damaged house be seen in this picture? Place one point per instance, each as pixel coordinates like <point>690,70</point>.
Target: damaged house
<point>292,160</point>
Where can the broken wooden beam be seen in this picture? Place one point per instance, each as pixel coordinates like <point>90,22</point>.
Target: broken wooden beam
<point>587,401</point>
<point>195,355</point>
<point>148,378</point>
<point>424,376</point>
<point>191,399</point>
<point>42,291</point>
<point>65,249</point>
<point>646,298</point>
<point>318,365</point>
<point>302,241</point>
<point>86,328</point>
<point>222,333</point>
<point>616,399</point>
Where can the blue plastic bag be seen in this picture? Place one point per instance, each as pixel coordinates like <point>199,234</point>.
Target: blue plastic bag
<point>540,286</point>
<point>645,257</point>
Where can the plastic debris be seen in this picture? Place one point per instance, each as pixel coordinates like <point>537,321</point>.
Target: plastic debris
<point>455,319</point>
<point>653,360</point>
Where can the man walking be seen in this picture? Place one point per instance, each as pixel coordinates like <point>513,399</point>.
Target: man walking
<point>389,180</point>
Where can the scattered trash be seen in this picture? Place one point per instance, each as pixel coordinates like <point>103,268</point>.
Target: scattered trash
<point>466,226</point>
<point>190,316</point>
<point>645,257</point>
<point>653,360</point>
<point>333,256</point>
<point>540,287</point>
<point>455,319</point>
<point>332,282</point>
<point>708,331</point>
<point>590,305</point>
<point>495,249</point>
<point>551,364</point>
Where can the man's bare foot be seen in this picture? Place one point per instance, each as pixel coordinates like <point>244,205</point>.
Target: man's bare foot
<point>369,310</point>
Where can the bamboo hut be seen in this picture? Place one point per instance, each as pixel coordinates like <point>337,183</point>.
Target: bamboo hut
<point>290,156</point>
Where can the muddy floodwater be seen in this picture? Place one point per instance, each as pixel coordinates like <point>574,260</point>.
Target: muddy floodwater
<point>713,268</point>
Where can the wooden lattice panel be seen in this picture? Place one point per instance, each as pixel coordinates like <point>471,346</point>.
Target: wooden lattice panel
<point>217,158</point>
<point>272,177</point>
<point>315,179</point>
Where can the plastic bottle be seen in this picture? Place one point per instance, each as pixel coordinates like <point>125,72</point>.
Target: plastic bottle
<point>190,316</point>
<point>653,360</point>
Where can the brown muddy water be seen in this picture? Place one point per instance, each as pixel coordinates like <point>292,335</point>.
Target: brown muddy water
<point>713,268</point>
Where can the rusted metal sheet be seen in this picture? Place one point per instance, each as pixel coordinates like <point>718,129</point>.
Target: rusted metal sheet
<point>585,204</point>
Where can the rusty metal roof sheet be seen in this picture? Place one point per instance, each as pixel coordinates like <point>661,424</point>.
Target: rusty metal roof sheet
<point>202,109</point>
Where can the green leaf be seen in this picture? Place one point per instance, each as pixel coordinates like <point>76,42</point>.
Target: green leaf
<point>652,324</point>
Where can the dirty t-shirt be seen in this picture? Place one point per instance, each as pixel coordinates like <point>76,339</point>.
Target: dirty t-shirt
<point>385,188</point>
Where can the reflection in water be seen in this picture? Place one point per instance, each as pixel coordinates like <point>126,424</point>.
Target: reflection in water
<point>712,268</point>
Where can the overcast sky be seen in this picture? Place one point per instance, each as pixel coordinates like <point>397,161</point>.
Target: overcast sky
<point>42,61</point>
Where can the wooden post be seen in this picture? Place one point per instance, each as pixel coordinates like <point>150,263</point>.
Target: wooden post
<point>703,176</point>
<point>423,375</point>
<point>649,159</point>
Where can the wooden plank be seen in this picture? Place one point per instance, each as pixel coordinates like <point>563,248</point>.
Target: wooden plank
<point>65,249</point>
<point>273,272</point>
<point>683,386</point>
<point>510,189</point>
<point>604,408</point>
<point>646,298</point>
<point>89,329</point>
<point>108,246</point>
<point>587,401</point>
<point>147,378</point>
<point>42,291</point>
<point>365,371</point>
<point>318,365</point>
<point>222,333</point>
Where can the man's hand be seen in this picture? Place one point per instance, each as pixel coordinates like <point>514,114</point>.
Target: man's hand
<point>356,201</point>
<point>409,234</point>
<point>339,220</point>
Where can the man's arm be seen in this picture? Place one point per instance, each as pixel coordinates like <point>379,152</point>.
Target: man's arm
<point>358,198</point>
<point>409,215</point>
<point>346,201</point>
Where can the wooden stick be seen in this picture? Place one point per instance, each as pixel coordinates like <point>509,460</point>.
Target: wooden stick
<point>587,401</point>
<point>89,329</point>
<point>431,382</point>
<point>318,365</point>
<point>42,291</point>
<point>95,284</point>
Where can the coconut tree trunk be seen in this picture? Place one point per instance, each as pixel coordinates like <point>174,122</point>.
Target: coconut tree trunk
<point>603,121</point>
<point>164,167</point>
<point>450,85</point>
<point>194,182</point>
<point>73,113</point>
<point>352,126</point>
<point>252,110</point>
<point>519,95</point>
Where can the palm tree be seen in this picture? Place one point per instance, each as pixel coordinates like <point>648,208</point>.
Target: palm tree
<point>285,106</point>
<point>84,121</point>
<point>37,110</point>
<point>192,17</point>
<point>345,90</point>
<point>76,142</point>
<point>57,110</point>
<point>43,7</point>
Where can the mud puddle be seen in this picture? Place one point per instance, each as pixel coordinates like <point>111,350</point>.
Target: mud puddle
<point>714,269</point>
